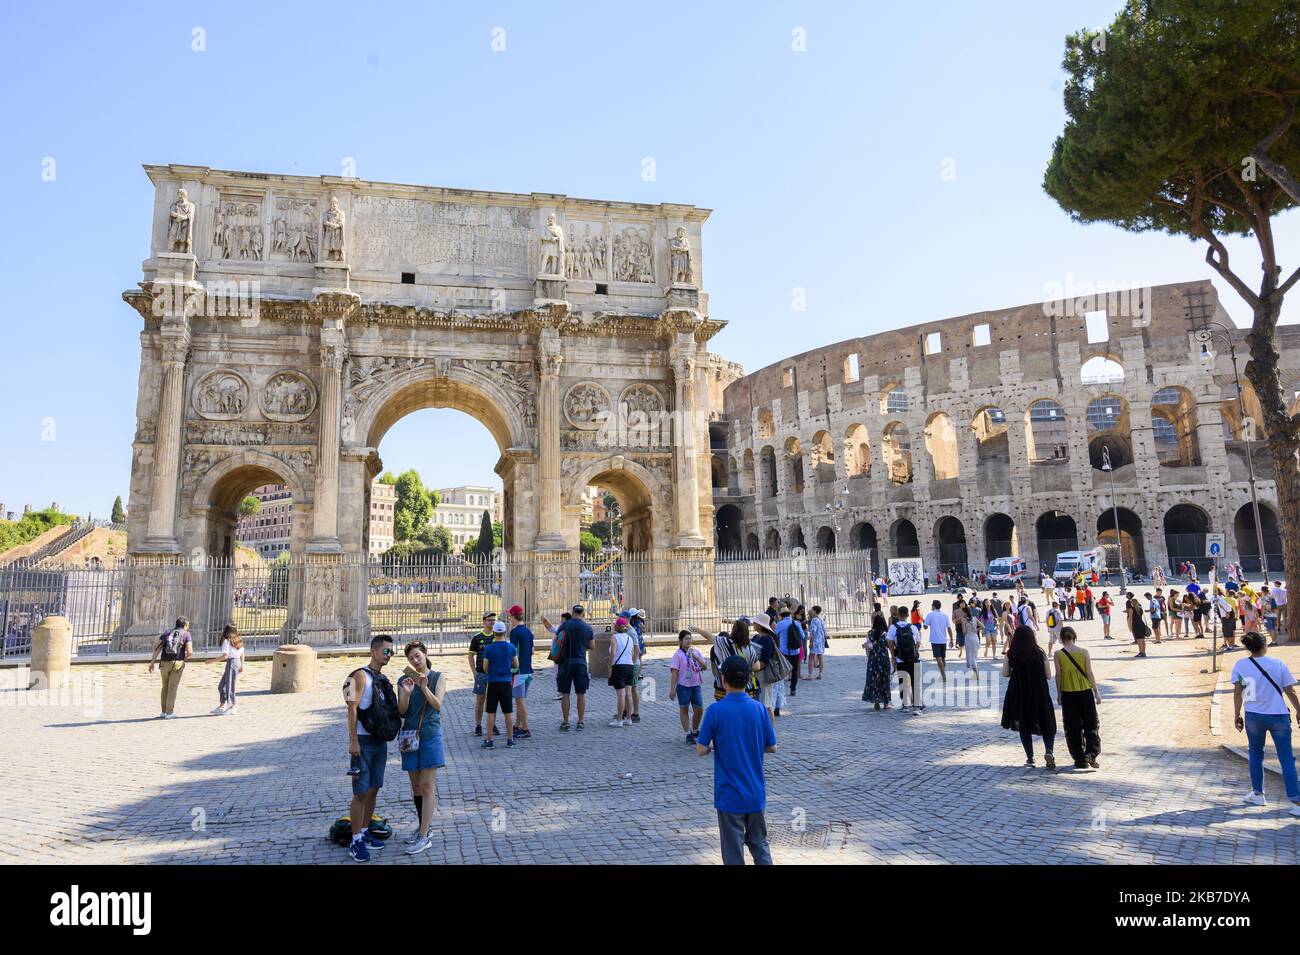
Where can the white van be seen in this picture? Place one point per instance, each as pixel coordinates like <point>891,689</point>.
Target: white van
<point>1005,571</point>
<point>1072,562</point>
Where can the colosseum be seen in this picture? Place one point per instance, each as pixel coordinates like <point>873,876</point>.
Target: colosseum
<point>967,439</point>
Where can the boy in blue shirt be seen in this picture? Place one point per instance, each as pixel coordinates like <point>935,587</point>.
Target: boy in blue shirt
<point>522,639</point>
<point>499,663</point>
<point>740,732</point>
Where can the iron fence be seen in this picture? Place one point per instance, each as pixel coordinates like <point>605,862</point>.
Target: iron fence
<point>440,600</point>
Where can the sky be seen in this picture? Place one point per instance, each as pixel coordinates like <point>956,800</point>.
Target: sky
<point>890,170</point>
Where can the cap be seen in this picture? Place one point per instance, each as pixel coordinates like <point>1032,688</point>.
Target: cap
<point>516,611</point>
<point>632,612</point>
<point>621,623</point>
<point>499,627</point>
<point>735,669</point>
<point>489,615</point>
<point>577,608</point>
<point>761,621</point>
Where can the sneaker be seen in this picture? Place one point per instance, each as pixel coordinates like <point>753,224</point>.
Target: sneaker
<point>478,731</point>
<point>627,722</point>
<point>1029,763</point>
<point>1081,764</point>
<point>371,842</point>
<point>517,733</point>
<point>171,716</point>
<point>1092,761</point>
<point>528,734</point>
<point>358,851</point>
<point>509,743</point>
<point>1295,809</point>
<point>422,844</point>
<point>617,723</point>
<point>413,838</point>
<point>581,725</point>
<point>230,709</point>
<point>564,727</point>
<point>219,711</point>
<point>1050,761</point>
<point>690,738</point>
<point>636,717</point>
<point>487,744</point>
<point>1255,799</point>
<point>161,716</point>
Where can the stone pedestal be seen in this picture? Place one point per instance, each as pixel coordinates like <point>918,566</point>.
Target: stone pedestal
<point>598,657</point>
<point>548,289</point>
<point>683,296</point>
<point>332,277</point>
<point>293,669</point>
<point>171,267</point>
<point>52,652</point>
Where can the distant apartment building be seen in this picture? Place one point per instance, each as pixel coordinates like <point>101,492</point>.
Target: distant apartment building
<point>383,507</point>
<point>267,531</point>
<point>460,510</point>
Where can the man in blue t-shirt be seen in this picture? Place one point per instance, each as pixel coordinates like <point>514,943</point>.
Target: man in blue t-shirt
<point>741,732</point>
<point>499,663</point>
<point>571,674</point>
<point>522,638</point>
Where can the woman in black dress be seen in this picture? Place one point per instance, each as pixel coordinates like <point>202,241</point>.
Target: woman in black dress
<point>1137,625</point>
<point>879,665</point>
<point>1027,707</point>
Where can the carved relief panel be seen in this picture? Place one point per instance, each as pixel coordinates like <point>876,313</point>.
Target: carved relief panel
<point>237,229</point>
<point>220,395</point>
<point>288,396</point>
<point>295,229</point>
<point>633,254</point>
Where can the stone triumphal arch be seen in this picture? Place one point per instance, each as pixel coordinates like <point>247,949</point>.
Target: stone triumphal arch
<point>289,322</point>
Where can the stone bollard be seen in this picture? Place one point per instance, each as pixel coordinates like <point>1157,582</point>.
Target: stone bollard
<point>293,669</point>
<point>52,651</point>
<point>598,656</point>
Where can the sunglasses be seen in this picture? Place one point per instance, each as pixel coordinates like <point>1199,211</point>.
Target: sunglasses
<point>388,651</point>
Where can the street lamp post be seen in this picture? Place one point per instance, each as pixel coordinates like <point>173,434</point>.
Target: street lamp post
<point>1205,336</point>
<point>1114,515</point>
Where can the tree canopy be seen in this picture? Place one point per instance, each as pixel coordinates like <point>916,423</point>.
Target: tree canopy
<point>414,506</point>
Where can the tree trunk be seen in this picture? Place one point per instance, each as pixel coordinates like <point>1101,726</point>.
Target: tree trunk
<point>1283,439</point>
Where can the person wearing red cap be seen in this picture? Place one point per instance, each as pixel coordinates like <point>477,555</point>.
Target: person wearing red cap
<point>522,638</point>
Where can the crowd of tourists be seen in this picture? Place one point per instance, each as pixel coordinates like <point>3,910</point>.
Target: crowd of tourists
<point>756,667</point>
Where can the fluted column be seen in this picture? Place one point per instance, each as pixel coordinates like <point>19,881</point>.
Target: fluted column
<point>334,309</point>
<point>550,535</point>
<point>686,497</point>
<point>161,534</point>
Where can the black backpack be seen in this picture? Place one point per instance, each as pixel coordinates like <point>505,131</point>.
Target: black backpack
<point>380,718</point>
<point>904,643</point>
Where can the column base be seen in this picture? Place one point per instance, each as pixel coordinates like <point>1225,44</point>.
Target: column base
<point>692,541</point>
<point>323,545</point>
<point>158,545</point>
<point>551,543</point>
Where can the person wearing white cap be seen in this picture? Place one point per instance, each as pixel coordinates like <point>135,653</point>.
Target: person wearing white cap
<point>636,623</point>
<point>499,663</point>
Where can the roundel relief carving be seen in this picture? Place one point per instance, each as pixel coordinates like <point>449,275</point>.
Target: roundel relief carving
<point>642,399</point>
<point>288,396</point>
<point>586,405</point>
<point>221,395</point>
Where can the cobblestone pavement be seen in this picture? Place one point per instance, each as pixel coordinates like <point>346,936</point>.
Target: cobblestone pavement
<point>848,785</point>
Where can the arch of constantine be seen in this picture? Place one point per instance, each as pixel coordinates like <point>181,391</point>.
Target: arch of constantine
<point>984,436</point>
<point>289,322</point>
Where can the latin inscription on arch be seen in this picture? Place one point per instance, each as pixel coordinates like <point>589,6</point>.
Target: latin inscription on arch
<point>442,238</point>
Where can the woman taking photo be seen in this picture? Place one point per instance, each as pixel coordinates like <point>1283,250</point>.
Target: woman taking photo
<point>419,701</point>
<point>1260,682</point>
<point>232,649</point>
<point>1136,625</point>
<point>1027,707</point>
<point>1104,607</point>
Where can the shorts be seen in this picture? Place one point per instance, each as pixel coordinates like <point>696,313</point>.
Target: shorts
<point>621,676</point>
<point>572,677</point>
<point>636,674</point>
<point>428,756</point>
<point>522,682</point>
<point>498,695</point>
<point>690,696</point>
<point>1105,618</point>
<point>480,683</point>
<point>940,650</point>
<point>374,754</point>
<point>991,630</point>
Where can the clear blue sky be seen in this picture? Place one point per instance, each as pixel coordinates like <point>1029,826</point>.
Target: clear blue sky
<point>823,168</point>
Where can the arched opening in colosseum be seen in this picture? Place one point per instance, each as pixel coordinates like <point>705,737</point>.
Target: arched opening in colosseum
<point>1045,435</point>
<point>857,444</point>
<point>796,538</point>
<point>726,522</point>
<point>1057,533</point>
<point>748,478</point>
<point>1108,431</point>
<point>767,480</point>
<point>794,465</point>
<point>950,545</point>
<point>894,400</point>
<point>766,426</point>
<point>823,458</point>
<point>718,472</point>
<point>825,540</point>
<point>990,429</point>
<point>1101,370</point>
<point>903,538</point>
<point>863,537</point>
<point>898,453</point>
<point>1173,428</point>
<point>772,542</point>
<point>1237,427</point>
<point>751,543</point>
<point>1185,528</point>
<point>1130,539</point>
<point>733,475</point>
<point>1243,530</point>
<point>941,443</point>
<point>1000,539</point>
